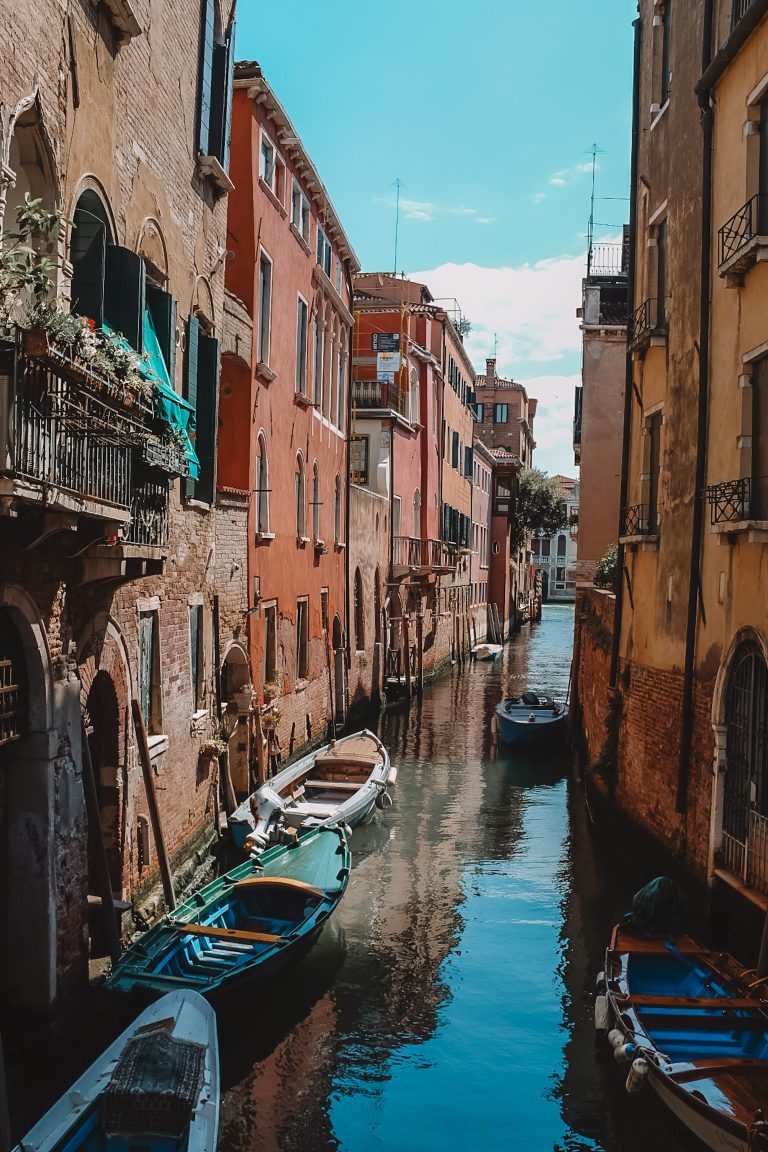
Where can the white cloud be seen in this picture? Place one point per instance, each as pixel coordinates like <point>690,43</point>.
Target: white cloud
<point>427,210</point>
<point>530,311</point>
<point>538,197</point>
<point>417,209</point>
<point>486,220</point>
<point>463,211</point>
<point>558,181</point>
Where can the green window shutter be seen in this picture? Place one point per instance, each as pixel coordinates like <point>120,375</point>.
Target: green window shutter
<point>124,294</point>
<point>207,393</point>
<point>87,253</point>
<point>205,77</point>
<point>162,307</point>
<point>146,664</point>
<point>468,462</point>
<point>221,97</point>
<point>191,368</point>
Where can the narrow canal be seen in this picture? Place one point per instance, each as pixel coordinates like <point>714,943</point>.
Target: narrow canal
<point>449,1005</point>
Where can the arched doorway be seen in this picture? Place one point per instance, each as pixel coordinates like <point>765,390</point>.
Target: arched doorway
<point>337,639</point>
<point>101,722</point>
<point>745,801</point>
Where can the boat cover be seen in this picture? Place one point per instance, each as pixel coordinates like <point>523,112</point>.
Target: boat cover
<point>155,1086</point>
<point>658,909</point>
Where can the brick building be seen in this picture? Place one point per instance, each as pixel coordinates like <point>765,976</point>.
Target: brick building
<point>283,420</point>
<point>107,476</point>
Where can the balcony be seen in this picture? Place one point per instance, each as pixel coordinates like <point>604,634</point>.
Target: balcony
<point>743,240</point>
<point>739,10</point>
<point>638,525</point>
<point>646,325</point>
<point>729,502</point>
<point>422,557</point>
<point>379,396</point>
<point>607,260</point>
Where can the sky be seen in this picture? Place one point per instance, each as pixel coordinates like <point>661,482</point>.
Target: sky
<point>487,113</point>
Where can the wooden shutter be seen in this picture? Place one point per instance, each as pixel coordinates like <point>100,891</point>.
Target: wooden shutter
<point>163,309</point>
<point>146,665</point>
<point>125,294</point>
<point>87,250</point>
<point>221,97</point>
<point>189,385</point>
<point>205,77</point>
<point>468,461</point>
<point>207,394</point>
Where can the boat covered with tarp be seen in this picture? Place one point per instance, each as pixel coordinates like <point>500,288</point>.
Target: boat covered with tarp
<point>530,719</point>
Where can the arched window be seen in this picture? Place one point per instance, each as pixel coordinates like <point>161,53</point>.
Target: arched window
<point>745,802</point>
<point>359,612</point>
<point>417,515</point>
<point>316,502</point>
<point>262,485</point>
<point>561,545</point>
<point>91,234</point>
<point>337,511</point>
<point>414,397</point>
<point>301,516</point>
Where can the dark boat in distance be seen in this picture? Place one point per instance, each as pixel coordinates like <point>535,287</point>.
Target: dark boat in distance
<point>531,719</point>
<point>245,926</point>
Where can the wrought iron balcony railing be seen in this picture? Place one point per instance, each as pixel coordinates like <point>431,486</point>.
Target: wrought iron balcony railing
<point>410,552</point>
<point>644,320</point>
<point>743,226</point>
<point>729,501</point>
<point>739,9</point>
<point>149,513</point>
<point>638,521</point>
<point>606,260</point>
<point>379,395</point>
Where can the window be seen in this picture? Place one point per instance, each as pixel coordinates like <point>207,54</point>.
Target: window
<point>396,515</point>
<point>561,545</point>
<point>417,515</point>
<point>150,684</point>
<point>90,236</point>
<point>214,88</point>
<point>262,485</point>
<point>265,307</point>
<point>324,610</point>
<point>358,459</point>
<point>267,161</point>
<point>652,451</point>
<point>666,75</point>
<point>359,612</point>
<point>546,546</point>
<point>300,212</point>
<point>323,251</point>
<point>503,497</point>
<point>536,546</point>
<point>196,657</point>
<point>501,413</point>
<point>479,413</point>
<point>759,490</point>
<point>302,637</point>
<point>337,512</point>
<point>269,653</point>
<point>301,518</point>
<point>455,449</point>
<point>661,272</point>
<point>318,361</point>
<point>560,575</point>
<point>341,401</point>
<point>302,319</point>
<point>201,373</point>
<point>316,505</point>
<point>339,271</point>
<point>467,461</point>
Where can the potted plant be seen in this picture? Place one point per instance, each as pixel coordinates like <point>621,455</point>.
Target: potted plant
<point>25,272</point>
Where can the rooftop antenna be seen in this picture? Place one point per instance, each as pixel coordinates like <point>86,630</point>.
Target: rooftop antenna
<point>397,221</point>
<point>495,344</point>
<point>595,151</point>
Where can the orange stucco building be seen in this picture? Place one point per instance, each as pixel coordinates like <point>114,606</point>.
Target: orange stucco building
<point>283,416</point>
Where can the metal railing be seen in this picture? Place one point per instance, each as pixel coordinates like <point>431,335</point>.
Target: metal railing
<point>748,858</point>
<point>643,320</point>
<point>410,552</point>
<point>149,513</point>
<point>606,260</point>
<point>636,521</point>
<point>379,395</point>
<point>739,10</point>
<point>729,501</point>
<point>742,227</point>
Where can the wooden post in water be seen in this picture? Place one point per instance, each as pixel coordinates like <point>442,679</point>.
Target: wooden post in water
<point>762,963</point>
<point>5,1120</point>
<point>100,853</point>
<point>407,655</point>
<point>154,811</point>
<point>420,653</point>
<point>261,765</point>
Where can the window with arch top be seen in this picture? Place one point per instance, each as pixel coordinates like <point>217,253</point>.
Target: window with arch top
<point>262,485</point>
<point>316,504</point>
<point>301,516</point>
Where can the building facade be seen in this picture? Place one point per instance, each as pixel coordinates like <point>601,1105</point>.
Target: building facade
<point>284,419</point>
<point>480,560</point>
<point>556,557</point>
<point>107,481</point>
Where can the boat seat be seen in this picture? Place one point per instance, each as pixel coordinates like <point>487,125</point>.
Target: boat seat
<point>714,1002</point>
<point>320,809</point>
<point>234,934</point>
<point>333,785</point>
<point>278,881</point>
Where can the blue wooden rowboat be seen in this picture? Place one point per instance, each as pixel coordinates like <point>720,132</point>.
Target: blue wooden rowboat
<point>246,925</point>
<point>694,1023</point>
<point>156,1088</point>
<point>531,719</point>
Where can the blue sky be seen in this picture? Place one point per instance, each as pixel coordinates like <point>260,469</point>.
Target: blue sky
<point>486,112</point>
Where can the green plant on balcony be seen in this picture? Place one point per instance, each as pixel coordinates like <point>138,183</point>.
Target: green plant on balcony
<point>26,274</point>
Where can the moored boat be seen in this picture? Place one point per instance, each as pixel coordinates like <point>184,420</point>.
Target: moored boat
<point>487,651</point>
<point>337,784</point>
<point>156,1088</point>
<point>694,1023</point>
<point>246,925</point>
<point>531,719</point>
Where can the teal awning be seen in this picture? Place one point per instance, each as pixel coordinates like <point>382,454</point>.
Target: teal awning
<point>171,408</point>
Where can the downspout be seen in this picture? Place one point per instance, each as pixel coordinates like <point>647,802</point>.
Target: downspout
<point>347,488</point>
<point>627,432</point>
<point>694,590</point>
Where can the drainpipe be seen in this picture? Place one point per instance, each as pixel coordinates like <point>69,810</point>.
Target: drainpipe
<point>694,590</point>
<point>347,550</point>
<point>627,432</point>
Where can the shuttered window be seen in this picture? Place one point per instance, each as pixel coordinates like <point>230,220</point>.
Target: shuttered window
<point>468,462</point>
<point>205,76</point>
<point>201,374</point>
<point>149,672</point>
<point>87,253</point>
<point>196,654</point>
<point>125,294</point>
<point>455,449</point>
<point>162,308</point>
<point>215,76</point>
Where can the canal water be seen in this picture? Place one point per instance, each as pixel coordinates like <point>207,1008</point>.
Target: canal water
<point>448,1004</point>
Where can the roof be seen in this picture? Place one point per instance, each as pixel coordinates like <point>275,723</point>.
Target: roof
<point>248,75</point>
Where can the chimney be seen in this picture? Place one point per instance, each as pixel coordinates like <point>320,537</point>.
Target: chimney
<point>490,370</point>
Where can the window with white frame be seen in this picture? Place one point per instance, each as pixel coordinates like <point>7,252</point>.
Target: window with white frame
<point>317,370</point>
<point>150,682</point>
<point>337,511</point>
<point>316,503</point>
<point>323,251</point>
<point>301,516</point>
<point>341,400</point>
<point>196,656</point>
<point>302,637</point>
<point>262,485</point>
<point>302,322</point>
<point>267,161</point>
<point>339,270</point>
<point>300,212</point>
<point>265,307</point>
